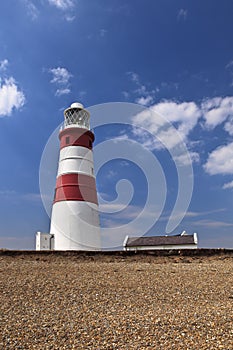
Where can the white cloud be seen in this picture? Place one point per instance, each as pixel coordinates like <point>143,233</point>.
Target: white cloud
<point>145,101</point>
<point>61,78</point>
<point>158,120</point>
<point>217,110</point>
<point>184,117</point>
<point>228,185</point>
<point>62,4</point>
<point>182,14</point>
<point>60,75</point>
<point>10,97</point>
<point>187,158</point>
<point>229,126</point>
<point>185,114</point>
<point>61,92</point>
<point>3,64</point>
<point>220,161</point>
<point>69,18</point>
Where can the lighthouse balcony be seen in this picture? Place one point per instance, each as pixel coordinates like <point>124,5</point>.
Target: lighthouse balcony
<point>74,125</point>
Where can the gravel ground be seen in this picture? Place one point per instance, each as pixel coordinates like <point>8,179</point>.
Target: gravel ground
<point>116,302</point>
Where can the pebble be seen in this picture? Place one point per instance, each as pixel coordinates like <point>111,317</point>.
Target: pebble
<point>57,302</point>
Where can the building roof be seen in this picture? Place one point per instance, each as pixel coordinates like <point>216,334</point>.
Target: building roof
<point>160,240</point>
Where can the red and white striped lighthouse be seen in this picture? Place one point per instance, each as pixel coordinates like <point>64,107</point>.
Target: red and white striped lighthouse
<point>75,217</point>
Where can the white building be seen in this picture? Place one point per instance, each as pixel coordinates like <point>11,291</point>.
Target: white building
<point>44,241</point>
<point>182,241</point>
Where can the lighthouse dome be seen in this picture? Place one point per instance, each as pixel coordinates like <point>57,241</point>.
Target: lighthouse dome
<point>77,105</point>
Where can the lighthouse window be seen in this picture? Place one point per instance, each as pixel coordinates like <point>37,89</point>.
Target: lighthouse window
<point>67,140</point>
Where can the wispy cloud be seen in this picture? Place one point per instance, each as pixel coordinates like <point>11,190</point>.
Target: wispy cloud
<point>61,92</point>
<point>99,34</point>
<point>13,195</point>
<point>124,223</point>
<point>62,4</point>
<point>11,97</point>
<point>120,138</point>
<point>142,94</point>
<point>17,243</point>
<point>126,94</point>
<point>69,18</point>
<point>103,32</point>
<point>66,6</point>
<point>229,68</point>
<point>125,213</point>
<point>61,79</point>
<point>212,223</point>
<point>111,174</point>
<point>31,9</point>
<point>191,214</point>
<point>229,64</point>
<point>182,14</point>
<point>4,64</point>
<point>82,94</point>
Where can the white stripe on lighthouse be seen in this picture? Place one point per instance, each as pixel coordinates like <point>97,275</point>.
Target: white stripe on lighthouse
<point>76,159</point>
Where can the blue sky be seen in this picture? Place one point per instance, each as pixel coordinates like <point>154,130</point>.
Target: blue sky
<point>175,57</point>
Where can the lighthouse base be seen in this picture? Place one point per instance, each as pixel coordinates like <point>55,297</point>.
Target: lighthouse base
<point>75,226</point>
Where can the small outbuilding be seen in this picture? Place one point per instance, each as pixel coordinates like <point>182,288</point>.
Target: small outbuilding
<point>181,241</point>
<point>44,241</point>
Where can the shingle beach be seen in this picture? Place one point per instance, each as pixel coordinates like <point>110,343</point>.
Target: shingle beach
<point>78,301</point>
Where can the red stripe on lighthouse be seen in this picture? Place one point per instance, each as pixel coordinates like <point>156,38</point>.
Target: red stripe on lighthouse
<point>76,137</point>
<point>76,187</point>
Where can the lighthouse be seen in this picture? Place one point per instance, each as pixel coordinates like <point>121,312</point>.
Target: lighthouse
<point>75,217</point>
